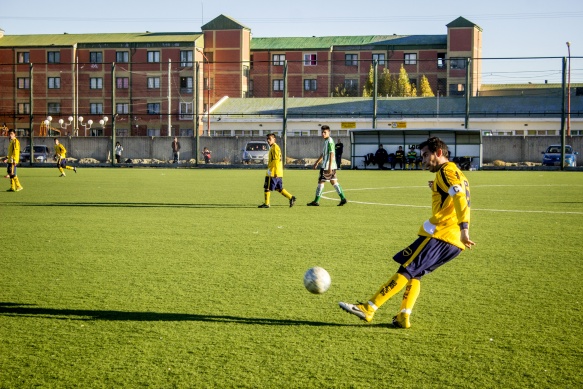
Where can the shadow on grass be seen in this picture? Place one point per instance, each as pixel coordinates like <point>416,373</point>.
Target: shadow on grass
<point>129,205</point>
<point>31,310</point>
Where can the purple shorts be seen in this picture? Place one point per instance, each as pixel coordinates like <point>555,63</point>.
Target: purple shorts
<point>273,183</point>
<point>424,256</point>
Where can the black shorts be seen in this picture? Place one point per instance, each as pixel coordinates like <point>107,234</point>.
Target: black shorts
<point>327,177</point>
<point>11,169</point>
<point>273,183</point>
<point>424,256</point>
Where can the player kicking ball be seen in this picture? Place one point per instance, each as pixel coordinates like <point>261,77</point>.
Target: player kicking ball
<point>441,238</point>
<point>274,176</point>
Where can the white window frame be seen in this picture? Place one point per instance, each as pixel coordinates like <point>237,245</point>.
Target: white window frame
<point>96,83</point>
<point>410,59</point>
<point>153,83</point>
<point>380,58</point>
<point>310,84</point>
<point>186,58</point>
<point>54,83</point>
<point>153,56</point>
<point>186,110</point>
<point>278,59</point>
<point>310,59</point>
<point>278,85</point>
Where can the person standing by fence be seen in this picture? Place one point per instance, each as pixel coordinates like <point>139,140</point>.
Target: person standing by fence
<point>118,150</point>
<point>175,150</point>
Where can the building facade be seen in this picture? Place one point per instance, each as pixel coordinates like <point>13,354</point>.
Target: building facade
<point>166,84</point>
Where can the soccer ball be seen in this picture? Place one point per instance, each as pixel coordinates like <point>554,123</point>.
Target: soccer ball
<point>317,280</point>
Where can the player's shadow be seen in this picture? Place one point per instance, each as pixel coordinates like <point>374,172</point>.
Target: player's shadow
<point>131,205</point>
<point>31,310</point>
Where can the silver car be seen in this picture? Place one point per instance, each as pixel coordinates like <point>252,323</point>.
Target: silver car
<point>255,152</point>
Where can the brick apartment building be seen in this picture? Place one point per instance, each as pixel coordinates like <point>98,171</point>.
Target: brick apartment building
<point>161,84</point>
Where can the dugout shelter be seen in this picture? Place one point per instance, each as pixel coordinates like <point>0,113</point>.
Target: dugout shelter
<point>463,144</point>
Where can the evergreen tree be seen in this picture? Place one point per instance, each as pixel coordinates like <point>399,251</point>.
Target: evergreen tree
<point>403,84</point>
<point>425,88</point>
<point>367,89</point>
<point>386,83</point>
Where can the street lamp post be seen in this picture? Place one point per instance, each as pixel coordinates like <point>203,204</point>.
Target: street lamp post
<point>569,90</point>
<point>208,92</point>
<point>85,126</point>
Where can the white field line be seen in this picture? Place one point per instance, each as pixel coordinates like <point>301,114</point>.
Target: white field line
<point>473,209</point>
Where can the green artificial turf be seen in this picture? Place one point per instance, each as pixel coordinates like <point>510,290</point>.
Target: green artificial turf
<point>173,278</point>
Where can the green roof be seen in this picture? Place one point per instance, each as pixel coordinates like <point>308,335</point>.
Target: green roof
<point>326,42</point>
<point>223,22</point>
<point>71,39</point>
<point>463,22</point>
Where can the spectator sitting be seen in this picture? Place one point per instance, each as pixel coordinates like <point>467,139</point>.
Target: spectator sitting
<point>381,157</point>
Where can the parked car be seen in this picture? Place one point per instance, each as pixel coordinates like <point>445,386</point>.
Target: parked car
<point>256,152</point>
<point>552,156</point>
<point>41,153</point>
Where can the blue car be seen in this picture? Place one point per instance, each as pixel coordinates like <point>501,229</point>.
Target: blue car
<point>552,157</point>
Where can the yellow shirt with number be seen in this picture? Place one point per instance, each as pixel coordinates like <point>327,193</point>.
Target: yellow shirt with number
<point>60,151</point>
<point>450,205</point>
<point>14,151</point>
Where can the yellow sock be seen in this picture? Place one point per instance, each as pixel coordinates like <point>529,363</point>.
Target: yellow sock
<point>13,183</point>
<point>61,170</point>
<point>267,195</point>
<point>69,167</point>
<point>388,290</point>
<point>410,296</point>
<point>17,182</point>
<point>286,194</point>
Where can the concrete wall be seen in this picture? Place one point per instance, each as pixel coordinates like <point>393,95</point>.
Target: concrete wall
<point>229,149</point>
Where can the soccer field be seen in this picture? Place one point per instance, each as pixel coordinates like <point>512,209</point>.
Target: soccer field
<point>173,278</point>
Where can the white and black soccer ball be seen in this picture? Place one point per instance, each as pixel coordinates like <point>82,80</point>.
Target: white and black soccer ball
<point>317,280</point>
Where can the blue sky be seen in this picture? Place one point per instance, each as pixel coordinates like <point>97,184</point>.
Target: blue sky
<point>511,28</point>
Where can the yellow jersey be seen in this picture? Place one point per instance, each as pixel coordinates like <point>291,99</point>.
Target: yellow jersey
<point>274,164</point>
<point>60,151</point>
<point>14,151</point>
<point>450,206</point>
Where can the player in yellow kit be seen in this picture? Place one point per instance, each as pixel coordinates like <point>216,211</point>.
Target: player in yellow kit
<point>12,160</point>
<point>441,238</point>
<point>61,158</point>
<point>274,176</point>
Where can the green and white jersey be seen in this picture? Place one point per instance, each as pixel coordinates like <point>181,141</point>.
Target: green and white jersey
<point>329,147</point>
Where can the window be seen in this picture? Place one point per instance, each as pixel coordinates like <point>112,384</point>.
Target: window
<point>410,59</point>
<point>122,82</point>
<point>380,58</point>
<point>278,59</point>
<point>153,108</point>
<point>350,59</point>
<point>53,57</point>
<point>54,108</point>
<point>95,57</point>
<point>96,83</point>
<point>153,56</point>
<point>186,58</point>
<point>208,84</point>
<point>122,108</point>
<point>310,85</point>
<point>122,57</point>
<point>54,82</point>
<point>23,57</point>
<point>23,83</point>
<point>277,85</point>
<point>442,86</point>
<point>186,84</point>
<point>457,63</point>
<point>96,131</point>
<point>441,60</point>
<point>457,89</point>
<point>96,108</point>
<point>186,111</point>
<point>23,108</point>
<point>153,82</point>
<point>310,60</point>
<point>351,84</point>
<point>413,82</point>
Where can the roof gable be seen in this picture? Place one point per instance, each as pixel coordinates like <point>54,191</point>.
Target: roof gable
<point>463,22</point>
<point>223,22</point>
